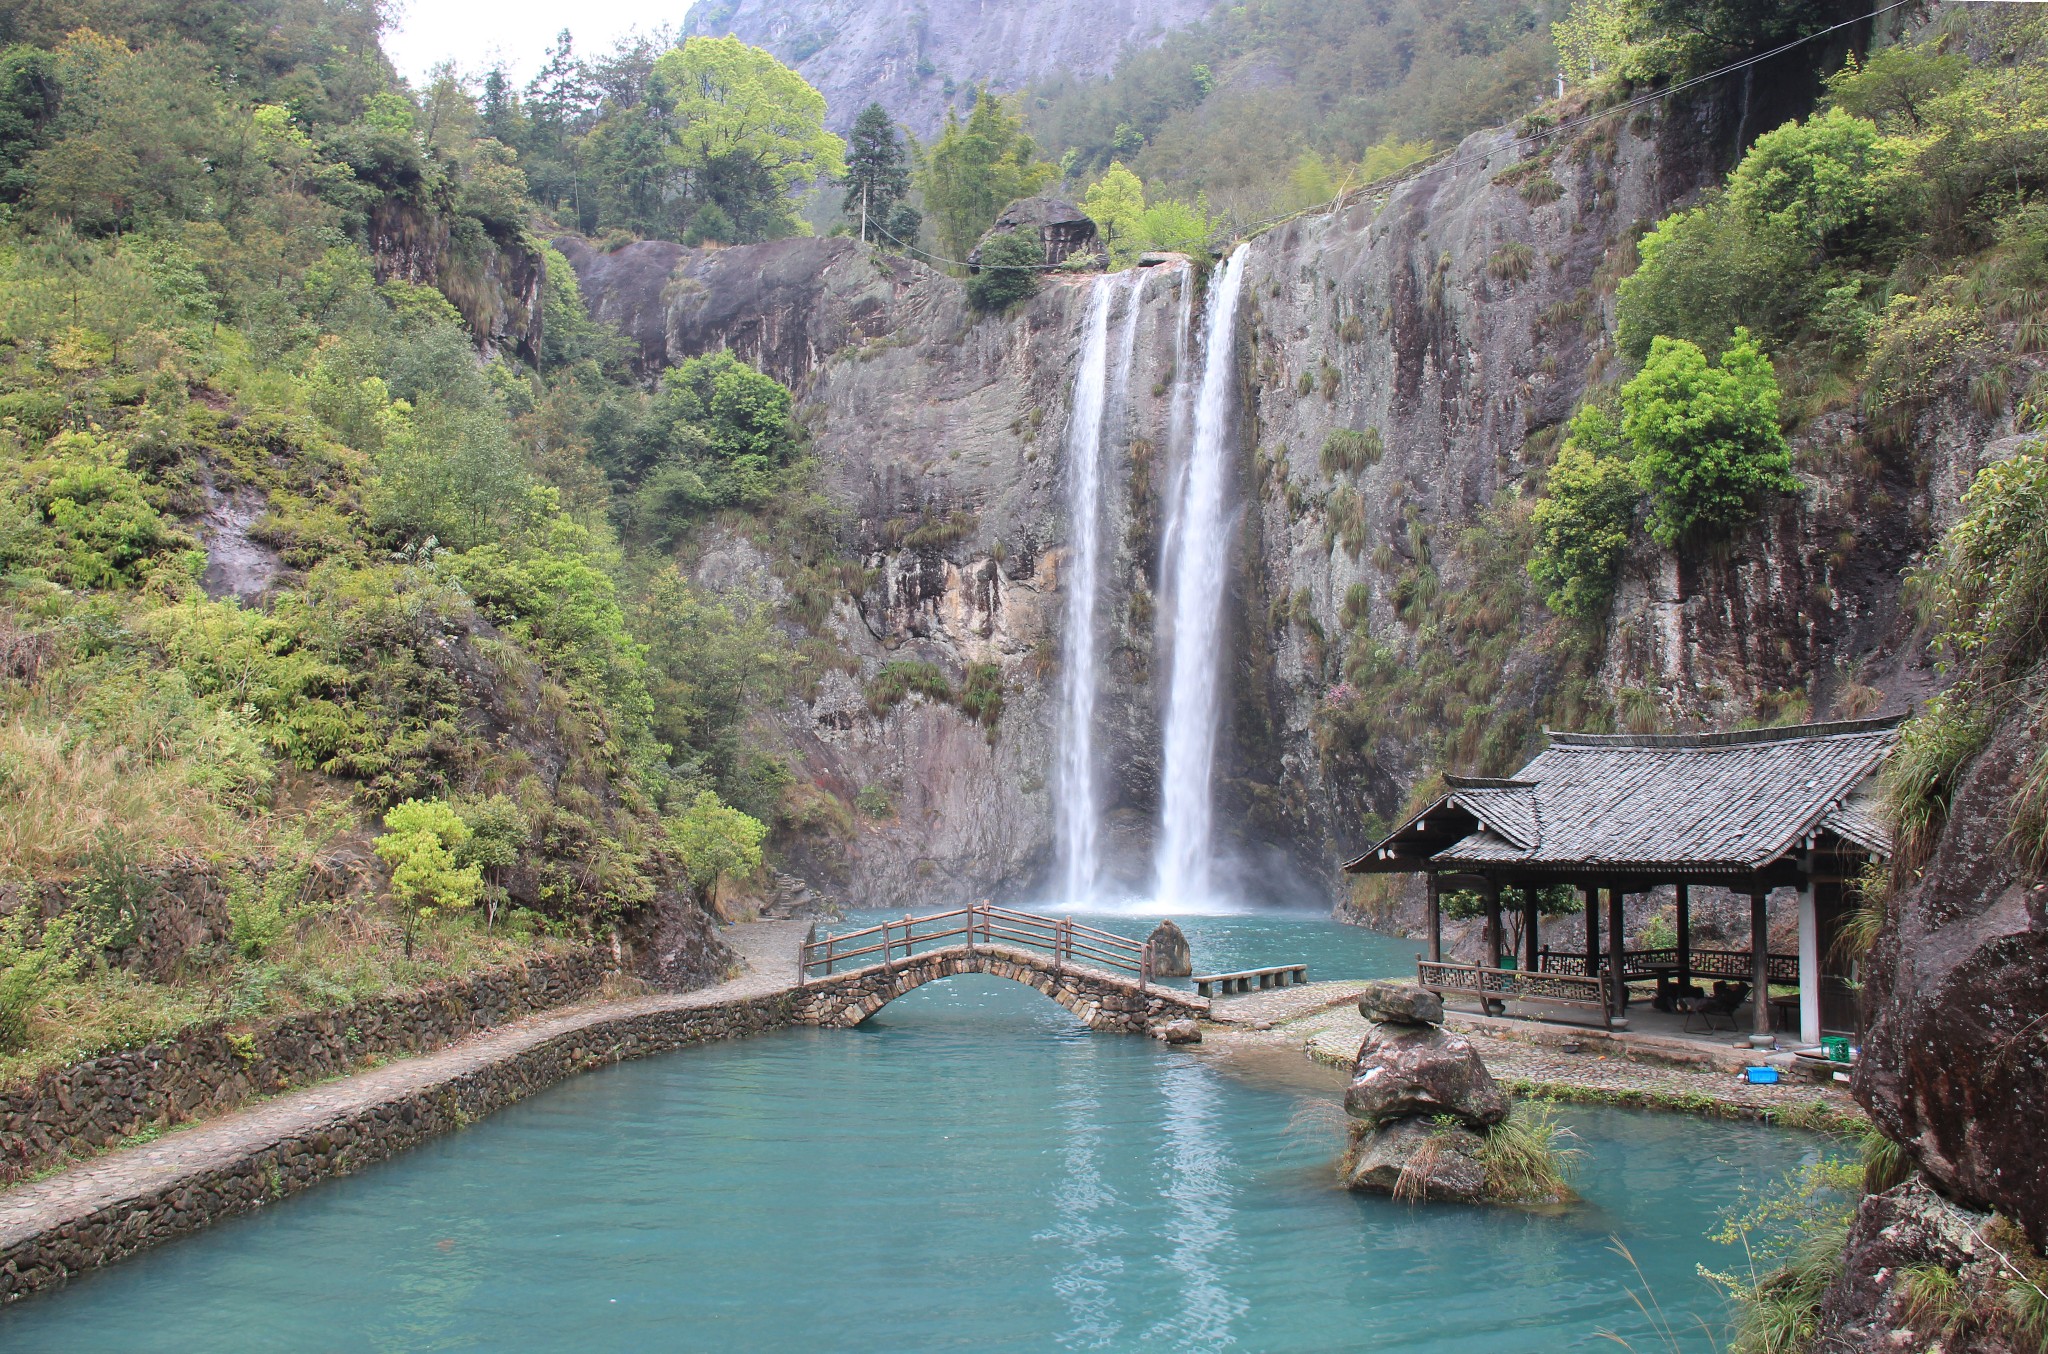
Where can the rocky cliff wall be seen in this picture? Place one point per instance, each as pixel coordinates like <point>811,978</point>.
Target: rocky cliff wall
<point>918,59</point>
<point>1443,332</point>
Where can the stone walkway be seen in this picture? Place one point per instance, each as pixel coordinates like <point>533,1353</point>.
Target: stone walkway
<point>135,1196</point>
<point>1538,1060</point>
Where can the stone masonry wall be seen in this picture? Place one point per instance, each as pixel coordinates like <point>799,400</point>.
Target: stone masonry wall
<point>39,1249</point>
<point>355,1139</point>
<point>222,1063</point>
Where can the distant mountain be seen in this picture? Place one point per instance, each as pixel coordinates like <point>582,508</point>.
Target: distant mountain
<point>917,58</point>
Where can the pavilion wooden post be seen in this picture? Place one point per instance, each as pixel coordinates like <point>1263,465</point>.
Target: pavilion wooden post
<point>1760,958</point>
<point>1592,930</point>
<point>1616,957</point>
<point>1436,920</point>
<point>1490,891</point>
<point>1684,937</point>
<point>1529,920</point>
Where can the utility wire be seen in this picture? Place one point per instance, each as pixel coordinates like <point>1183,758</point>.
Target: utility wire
<point>1443,159</point>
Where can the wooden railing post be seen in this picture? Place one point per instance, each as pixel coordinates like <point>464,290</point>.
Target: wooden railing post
<point>831,943</point>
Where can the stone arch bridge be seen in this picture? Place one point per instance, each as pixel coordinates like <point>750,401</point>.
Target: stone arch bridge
<point>1104,979</point>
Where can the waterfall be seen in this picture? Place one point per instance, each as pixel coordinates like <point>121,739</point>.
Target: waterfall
<point>1200,576</point>
<point>1078,812</point>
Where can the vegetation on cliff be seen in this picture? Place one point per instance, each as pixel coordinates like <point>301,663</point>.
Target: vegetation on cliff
<point>291,550</point>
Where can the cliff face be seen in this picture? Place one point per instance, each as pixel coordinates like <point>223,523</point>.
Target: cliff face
<point>1443,333</point>
<point>917,59</point>
<point>1955,1057</point>
<point>495,286</point>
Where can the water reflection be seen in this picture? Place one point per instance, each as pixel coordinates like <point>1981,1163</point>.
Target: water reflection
<point>1087,1209</point>
<point>1196,1164</point>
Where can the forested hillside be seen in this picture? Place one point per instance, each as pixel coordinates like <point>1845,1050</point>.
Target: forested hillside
<point>329,522</point>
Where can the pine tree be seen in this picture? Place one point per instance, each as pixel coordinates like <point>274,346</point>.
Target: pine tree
<point>877,171</point>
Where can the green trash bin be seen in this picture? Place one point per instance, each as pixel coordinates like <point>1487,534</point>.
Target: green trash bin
<point>1837,1047</point>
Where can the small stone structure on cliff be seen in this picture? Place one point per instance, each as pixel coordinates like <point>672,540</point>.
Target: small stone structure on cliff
<point>1419,1101</point>
<point>1063,230</point>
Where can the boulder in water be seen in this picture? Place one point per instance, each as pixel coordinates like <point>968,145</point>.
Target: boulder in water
<point>1404,1071</point>
<point>1171,957</point>
<point>1418,1159</point>
<point>1178,1032</point>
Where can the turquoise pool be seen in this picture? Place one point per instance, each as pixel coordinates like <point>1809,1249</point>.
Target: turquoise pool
<point>972,1170</point>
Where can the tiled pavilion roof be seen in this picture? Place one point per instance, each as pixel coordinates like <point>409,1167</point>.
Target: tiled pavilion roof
<point>1680,803</point>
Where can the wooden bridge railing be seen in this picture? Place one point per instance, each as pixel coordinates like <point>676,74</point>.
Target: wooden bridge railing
<point>1062,938</point>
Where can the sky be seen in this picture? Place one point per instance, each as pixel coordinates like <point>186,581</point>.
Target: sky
<point>476,33</point>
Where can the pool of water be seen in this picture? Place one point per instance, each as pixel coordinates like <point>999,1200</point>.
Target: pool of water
<point>972,1170</point>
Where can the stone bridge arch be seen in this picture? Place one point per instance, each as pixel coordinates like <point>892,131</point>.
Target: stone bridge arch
<point>1101,1000</point>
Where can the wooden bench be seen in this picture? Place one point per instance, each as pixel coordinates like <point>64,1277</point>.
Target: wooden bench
<point>1223,984</point>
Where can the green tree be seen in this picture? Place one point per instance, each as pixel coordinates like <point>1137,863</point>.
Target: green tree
<point>1585,517</point>
<point>1116,204</point>
<point>498,831</point>
<point>420,842</point>
<point>1010,265</point>
<point>1706,438</point>
<point>717,841</point>
<point>1705,271</point>
<point>877,173</point>
<point>724,435</point>
<point>744,131</point>
<point>977,168</point>
<point>1833,181</point>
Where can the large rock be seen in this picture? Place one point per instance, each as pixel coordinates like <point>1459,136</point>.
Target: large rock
<point>1400,1003</point>
<point>1868,1310</point>
<point>1954,1061</point>
<point>1063,230</point>
<point>1417,1159</point>
<point>1405,1071</point>
<point>1171,957</point>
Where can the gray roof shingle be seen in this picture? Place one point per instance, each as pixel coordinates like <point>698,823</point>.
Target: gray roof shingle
<point>1686,801</point>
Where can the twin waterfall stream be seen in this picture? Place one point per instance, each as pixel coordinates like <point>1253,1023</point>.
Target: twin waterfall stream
<point>1194,578</point>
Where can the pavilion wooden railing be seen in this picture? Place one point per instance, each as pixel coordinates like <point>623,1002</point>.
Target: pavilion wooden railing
<point>1506,984</point>
<point>1063,938</point>
<point>1637,965</point>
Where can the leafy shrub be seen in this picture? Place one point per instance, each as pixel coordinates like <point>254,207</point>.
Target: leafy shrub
<point>717,841</point>
<point>1988,588</point>
<point>30,968</point>
<point>1706,439</point>
<point>1008,275</point>
<point>420,844</point>
<point>256,916</point>
<point>1585,518</point>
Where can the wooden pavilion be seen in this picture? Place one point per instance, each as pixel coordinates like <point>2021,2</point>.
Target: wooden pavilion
<point>1621,814</point>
